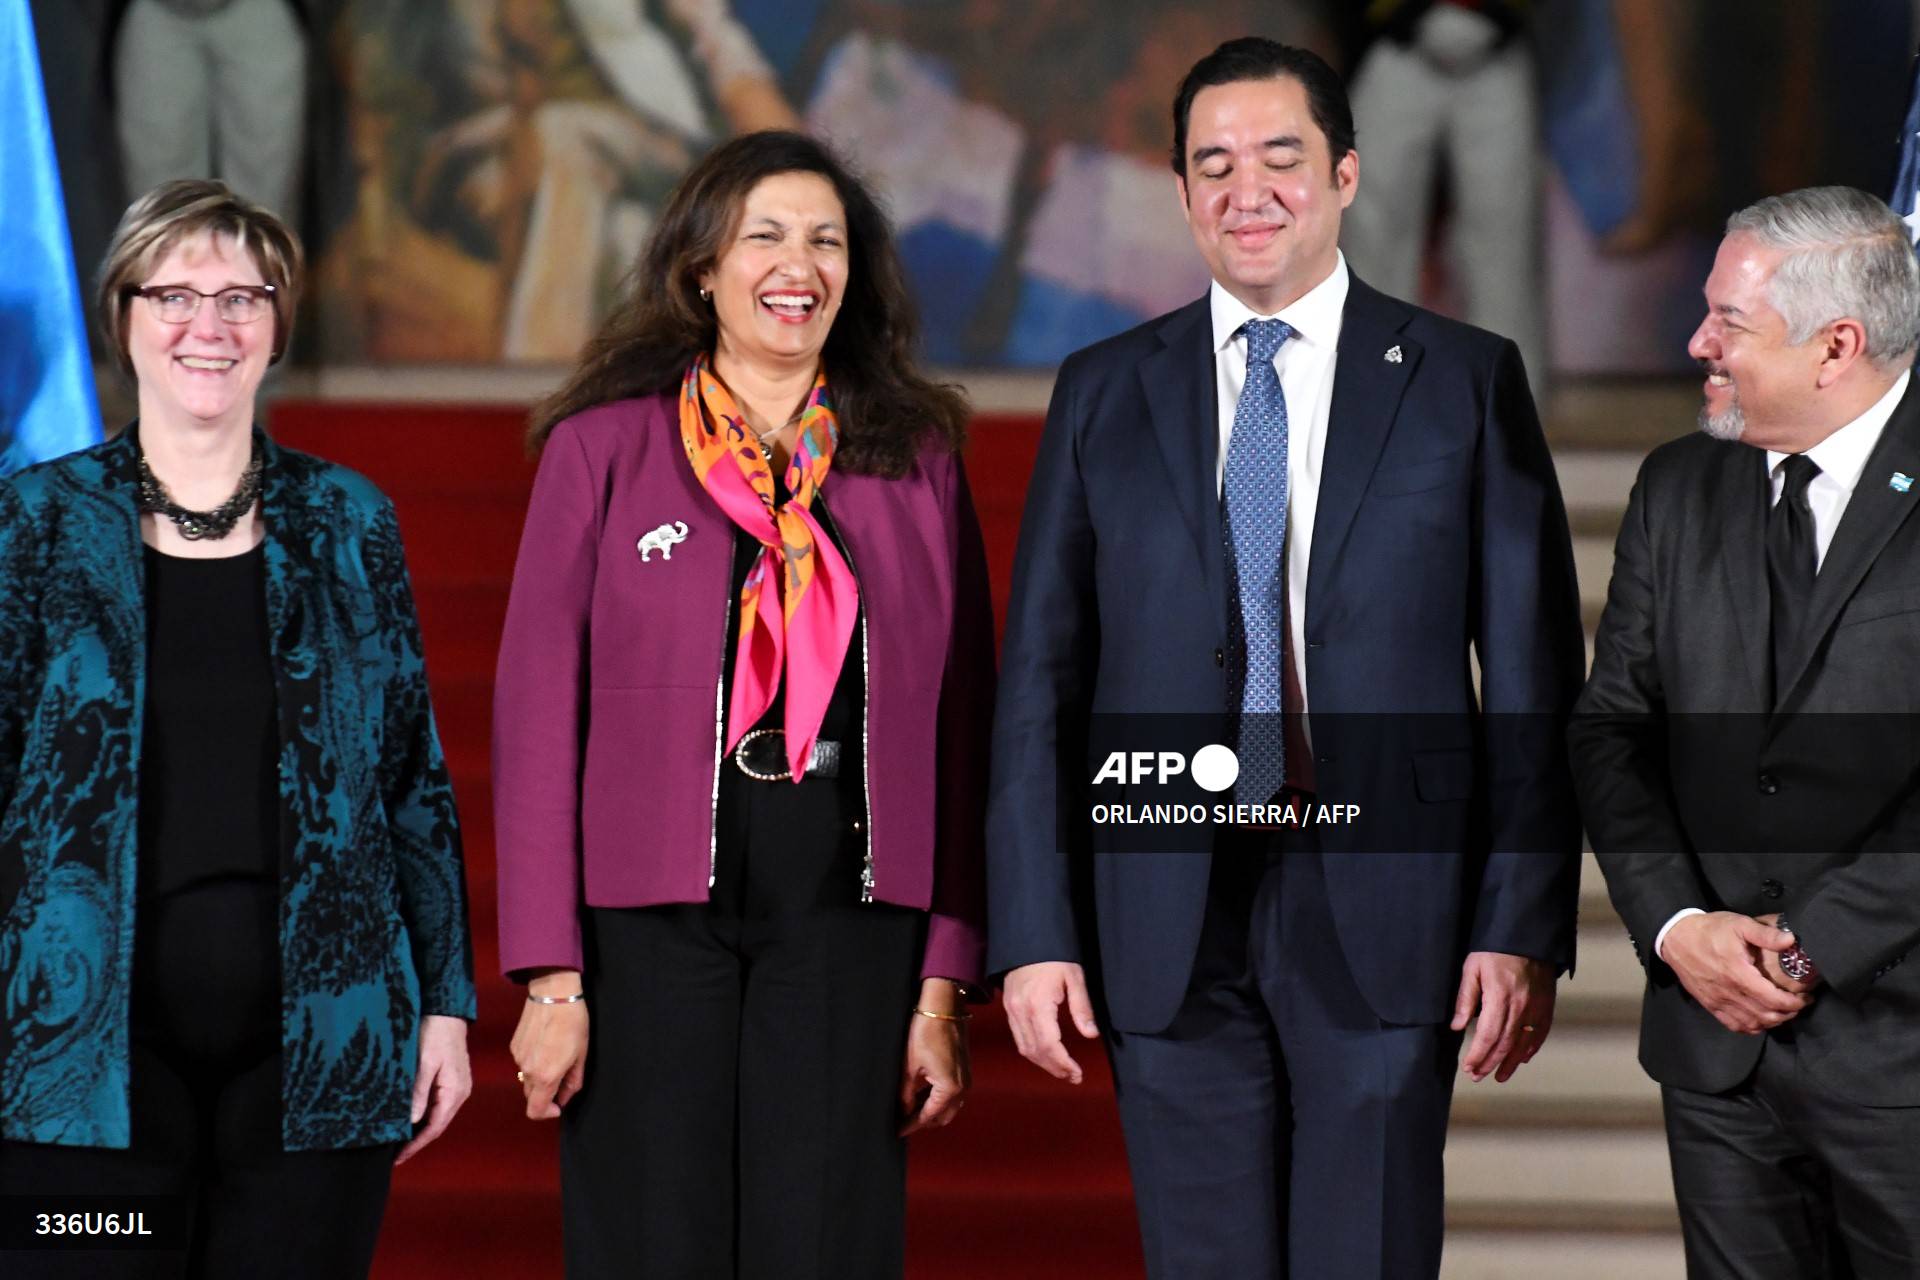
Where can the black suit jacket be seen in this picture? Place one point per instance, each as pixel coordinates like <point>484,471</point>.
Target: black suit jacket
<point>1439,529</point>
<point>1701,788</point>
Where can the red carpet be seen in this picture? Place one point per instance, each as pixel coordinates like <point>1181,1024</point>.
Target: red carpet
<point>1029,1185</point>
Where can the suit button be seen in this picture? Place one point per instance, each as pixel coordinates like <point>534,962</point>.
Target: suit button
<point>1769,785</point>
<point>1219,657</point>
<point>1771,888</point>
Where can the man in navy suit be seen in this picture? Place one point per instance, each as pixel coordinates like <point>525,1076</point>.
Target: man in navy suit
<point>1293,496</point>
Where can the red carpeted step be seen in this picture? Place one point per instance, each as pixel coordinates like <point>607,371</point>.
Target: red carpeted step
<point>491,1146</point>
<point>461,537</point>
<point>1068,1234</point>
<point>414,448</point>
<point>1000,455</point>
<point>460,624</point>
<point>468,1233</point>
<point>463,710</point>
<point>516,1235</point>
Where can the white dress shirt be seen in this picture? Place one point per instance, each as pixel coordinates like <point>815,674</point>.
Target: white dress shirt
<point>1305,365</point>
<point>1841,458</point>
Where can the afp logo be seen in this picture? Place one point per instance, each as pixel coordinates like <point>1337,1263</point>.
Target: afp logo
<point>1214,767</point>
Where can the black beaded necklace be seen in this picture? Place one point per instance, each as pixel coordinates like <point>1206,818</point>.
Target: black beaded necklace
<point>153,498</point>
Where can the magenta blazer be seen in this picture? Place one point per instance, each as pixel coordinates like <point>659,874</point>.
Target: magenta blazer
<point>606,712</point>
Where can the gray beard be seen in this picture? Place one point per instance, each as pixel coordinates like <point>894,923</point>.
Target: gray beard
<point>1730,425</point>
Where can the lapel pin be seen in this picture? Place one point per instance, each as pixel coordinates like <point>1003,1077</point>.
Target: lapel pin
<point>1901,482</point>
<point>1393,355</point>
<point>662,540</point>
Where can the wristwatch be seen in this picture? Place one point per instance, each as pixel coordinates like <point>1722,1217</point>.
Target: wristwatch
<point>1794,962</point>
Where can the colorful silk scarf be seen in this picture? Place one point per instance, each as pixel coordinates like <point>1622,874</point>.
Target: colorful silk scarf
<point>798,605</point>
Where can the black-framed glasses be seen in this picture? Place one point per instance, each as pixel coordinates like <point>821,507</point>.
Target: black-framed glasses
<point>179,303</point>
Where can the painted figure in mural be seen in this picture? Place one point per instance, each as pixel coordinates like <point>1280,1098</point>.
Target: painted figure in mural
<point>1015,149</point>
<point>1725,106</point>
<point>234,963</point>
<point>1746,756</point>
<point>776,924</point>
<point>565,125</point>
<point>1293,495</point>
<point>213,88</point>
<point>1023,157</point>
<point>1452,83</point>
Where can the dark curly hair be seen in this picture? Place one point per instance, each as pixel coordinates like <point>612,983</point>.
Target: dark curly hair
<point>887,409</point>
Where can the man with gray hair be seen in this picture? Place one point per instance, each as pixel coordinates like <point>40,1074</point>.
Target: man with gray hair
<point>1747,751</point>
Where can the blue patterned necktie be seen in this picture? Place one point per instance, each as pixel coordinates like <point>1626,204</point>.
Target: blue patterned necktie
<point>1255,500</point>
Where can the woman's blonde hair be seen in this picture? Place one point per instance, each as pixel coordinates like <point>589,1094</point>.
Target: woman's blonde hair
<point>181,210</point>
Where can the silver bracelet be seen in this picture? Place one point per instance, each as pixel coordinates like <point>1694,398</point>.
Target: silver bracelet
<point>576,998</point>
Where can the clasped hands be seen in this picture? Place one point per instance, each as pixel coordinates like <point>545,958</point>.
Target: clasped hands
<point>1730,963</point>
<point>1511,995</point>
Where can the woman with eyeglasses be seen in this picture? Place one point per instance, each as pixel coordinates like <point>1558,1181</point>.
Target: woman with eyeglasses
<point>234,963</point>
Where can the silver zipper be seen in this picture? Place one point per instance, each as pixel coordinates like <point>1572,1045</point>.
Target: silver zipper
<point>719,733</point>
<point>866,716</point>
<point>866,772</point>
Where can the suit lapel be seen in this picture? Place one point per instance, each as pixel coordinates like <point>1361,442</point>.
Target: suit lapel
<point>1177,384</point>
<point>1739,515</point>
<point>1874,512</point>
<point>1367,386</point>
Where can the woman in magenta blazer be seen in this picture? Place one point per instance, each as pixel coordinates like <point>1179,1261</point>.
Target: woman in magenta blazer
<point>740,735</point>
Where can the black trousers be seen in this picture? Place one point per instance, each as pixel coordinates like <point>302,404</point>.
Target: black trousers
<point>1780,1177</point>
<point>205,1100</point>
<point>741,1104</point>
<point>1278,1127</point>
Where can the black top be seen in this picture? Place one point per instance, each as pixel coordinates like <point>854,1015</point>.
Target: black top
<point>209,795</point>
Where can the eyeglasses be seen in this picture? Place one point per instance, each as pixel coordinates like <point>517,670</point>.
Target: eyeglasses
<point>179,303</point>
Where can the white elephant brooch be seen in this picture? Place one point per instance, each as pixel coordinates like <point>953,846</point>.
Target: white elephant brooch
<point>663,540</point>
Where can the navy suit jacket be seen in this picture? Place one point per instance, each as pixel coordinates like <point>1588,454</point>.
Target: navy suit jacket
<point>1439,536</point>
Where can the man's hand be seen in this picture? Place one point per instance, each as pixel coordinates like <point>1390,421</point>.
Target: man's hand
<point>1770,965</point>
<point>1034,994</point>
<point>1514,996</point>
<point>1724,959</point>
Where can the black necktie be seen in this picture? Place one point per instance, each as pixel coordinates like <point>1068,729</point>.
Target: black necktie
<point>1790,560</point>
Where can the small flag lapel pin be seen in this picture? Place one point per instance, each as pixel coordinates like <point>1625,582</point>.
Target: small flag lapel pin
<point>1901,482</point>
<point>1393,355</point>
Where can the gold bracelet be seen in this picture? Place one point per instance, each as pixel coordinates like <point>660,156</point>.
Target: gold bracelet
<point>962,1016</point>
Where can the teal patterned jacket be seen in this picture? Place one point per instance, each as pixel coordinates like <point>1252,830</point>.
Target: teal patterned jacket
<point>373,917</point>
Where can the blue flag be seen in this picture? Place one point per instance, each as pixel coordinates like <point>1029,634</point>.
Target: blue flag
<point>1906,183</point>
<point>47,404</point>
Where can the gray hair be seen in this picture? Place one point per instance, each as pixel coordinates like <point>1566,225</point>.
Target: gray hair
<point>1847,255</point>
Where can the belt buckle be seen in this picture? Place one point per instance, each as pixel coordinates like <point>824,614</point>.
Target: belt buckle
<point>740,757</point>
